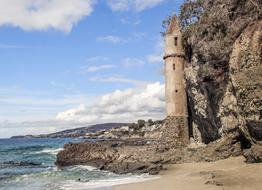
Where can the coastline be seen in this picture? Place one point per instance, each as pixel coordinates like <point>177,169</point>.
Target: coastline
<point>232,173</point>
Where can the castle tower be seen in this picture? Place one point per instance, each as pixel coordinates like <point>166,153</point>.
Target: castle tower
<point>176,98</point>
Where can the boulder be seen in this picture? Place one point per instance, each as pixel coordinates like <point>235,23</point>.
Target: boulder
<point>254,154</point>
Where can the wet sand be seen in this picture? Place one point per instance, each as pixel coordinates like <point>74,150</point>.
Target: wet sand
<point>229,174</point>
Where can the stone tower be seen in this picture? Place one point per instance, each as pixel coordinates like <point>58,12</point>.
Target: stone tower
<point>176,97</point>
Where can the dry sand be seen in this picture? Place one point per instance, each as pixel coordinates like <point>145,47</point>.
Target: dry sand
<point>229,174</point>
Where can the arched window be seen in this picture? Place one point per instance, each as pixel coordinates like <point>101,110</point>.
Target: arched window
<point>174,66</point>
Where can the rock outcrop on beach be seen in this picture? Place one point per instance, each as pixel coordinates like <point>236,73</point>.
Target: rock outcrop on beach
<point>223,43</point>
<point>254,154</point>
<point>142,155</point>
<point>116,156</point>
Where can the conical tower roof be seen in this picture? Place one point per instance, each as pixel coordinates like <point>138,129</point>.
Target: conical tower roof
<point>173,26</point>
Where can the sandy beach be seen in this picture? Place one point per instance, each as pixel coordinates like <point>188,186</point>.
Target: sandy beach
<point>229,174</point>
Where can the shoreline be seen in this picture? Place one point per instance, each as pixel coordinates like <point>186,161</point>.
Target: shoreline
<point>232,174</point>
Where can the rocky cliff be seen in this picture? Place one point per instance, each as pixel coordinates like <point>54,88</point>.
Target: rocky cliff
<point>224,69</point>
<point>219,106</point>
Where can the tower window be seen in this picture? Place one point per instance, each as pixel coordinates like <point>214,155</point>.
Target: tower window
<point>176,91</point>
<point>174,66</point>
<point>175,41</point>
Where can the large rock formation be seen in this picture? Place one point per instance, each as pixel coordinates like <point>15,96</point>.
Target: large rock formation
<point>224,70</point>
<point>241,106</point>
<point>146,155</point>
<point>238,105</point>
<point>140,156</point>
<point>134,156</point>
<point>254,154</point>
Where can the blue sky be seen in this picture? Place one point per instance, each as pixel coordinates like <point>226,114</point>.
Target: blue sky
<point>68,63</point>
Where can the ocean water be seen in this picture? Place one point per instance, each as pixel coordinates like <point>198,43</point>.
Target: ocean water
<point>28,164</point>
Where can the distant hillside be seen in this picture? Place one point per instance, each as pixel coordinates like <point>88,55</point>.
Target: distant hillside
<point>77,132</point>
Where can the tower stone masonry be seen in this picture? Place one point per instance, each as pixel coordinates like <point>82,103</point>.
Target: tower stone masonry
<point>175,92</point>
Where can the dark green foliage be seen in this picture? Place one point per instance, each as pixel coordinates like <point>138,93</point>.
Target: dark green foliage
<point>141,123</point>
<point>150,122</point>
<point>137,126</point>
<point>190,12</point>
<point>133,126</point>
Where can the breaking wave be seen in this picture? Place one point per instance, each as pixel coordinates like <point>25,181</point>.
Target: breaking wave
<point>29,164</point>
<point>50,151</point>
<point>74,185</point>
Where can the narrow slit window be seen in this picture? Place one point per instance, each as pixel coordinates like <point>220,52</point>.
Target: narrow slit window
<point>174,66</point>
<point>175,41</point>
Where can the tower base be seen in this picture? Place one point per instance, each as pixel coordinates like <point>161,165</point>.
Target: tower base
<point>175,131</point>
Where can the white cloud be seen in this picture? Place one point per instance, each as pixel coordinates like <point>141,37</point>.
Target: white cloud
<point>22,108</point>
<point>121,106</point>
<point>119,5</point>
<point>153,58</point>
<point>7,46</point>
<point>132,62</point>
<point>131,22</point>
<point>117,39</point>
<point>96,59</point>
<point>44,14</point>
<point>159,46</point>
<point>16,46</point>
<point>118,79</point>
<point>62,86</point>
<point>110,38</point>
<point>141,5</point>
<point>33,112</point>
<point>137,35</point>
<point>37,101</point>
<point>157,56</point>
<point>136,5</point>
<point>43,127</point>
<point>99,68</point>
<point>35,115</point>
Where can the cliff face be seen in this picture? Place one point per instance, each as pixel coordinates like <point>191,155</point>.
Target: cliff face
<point>222,40</point>
<point>241,105</point>
<point>226,100</point>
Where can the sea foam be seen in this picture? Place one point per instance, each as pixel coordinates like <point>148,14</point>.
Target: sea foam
<point>50,151</point>
<point>104,184</point>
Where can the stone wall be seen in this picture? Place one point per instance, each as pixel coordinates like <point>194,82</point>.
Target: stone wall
<point>174,131</point>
